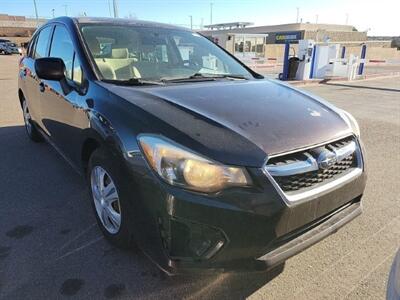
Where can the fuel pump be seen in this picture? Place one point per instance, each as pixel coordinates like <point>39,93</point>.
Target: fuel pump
<point>305,53</point>
<point>323,60</point>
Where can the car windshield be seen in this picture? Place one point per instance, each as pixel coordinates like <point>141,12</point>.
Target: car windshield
<point>126,52</point>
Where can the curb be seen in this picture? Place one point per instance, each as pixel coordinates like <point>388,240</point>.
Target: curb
<point>377,61</point>
<point>338,79</point>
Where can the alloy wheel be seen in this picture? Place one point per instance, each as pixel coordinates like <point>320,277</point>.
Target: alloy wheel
<point>106,199</point>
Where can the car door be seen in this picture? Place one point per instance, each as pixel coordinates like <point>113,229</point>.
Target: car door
<point>39,47</point>
<point>63,113</point>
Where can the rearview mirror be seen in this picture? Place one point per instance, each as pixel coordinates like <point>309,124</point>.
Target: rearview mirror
<point>50,68</point>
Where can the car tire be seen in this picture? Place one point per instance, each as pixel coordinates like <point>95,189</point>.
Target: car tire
<point>107,204</point>
<point>30,128</point>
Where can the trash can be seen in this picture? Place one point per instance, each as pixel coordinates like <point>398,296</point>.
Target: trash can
<point>293,66</point>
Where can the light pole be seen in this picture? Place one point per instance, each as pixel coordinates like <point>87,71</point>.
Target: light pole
<point>211,13</point>
<point>297,15</point>
<point>316,19</point>
<point>191,22</point>
<point>36,12</point>
<point>52,12</point>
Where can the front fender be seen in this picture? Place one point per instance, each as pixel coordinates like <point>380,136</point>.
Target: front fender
<point>102,132</point>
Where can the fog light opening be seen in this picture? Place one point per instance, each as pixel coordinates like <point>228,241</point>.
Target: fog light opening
<point>195,241</point>
<point>214,250</point>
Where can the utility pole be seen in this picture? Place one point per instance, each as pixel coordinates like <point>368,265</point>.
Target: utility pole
<point>115,5</point>
<point>52,12</point>
<point>316,19</point>
<point>109,8</point>
<point>298,14</point>
<point>211,13</point>
<point>191,22</point>
<point>347,19</point>
<point>36,12</point>
<point>66,9</point>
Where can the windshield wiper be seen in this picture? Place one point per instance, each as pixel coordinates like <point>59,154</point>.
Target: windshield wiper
<point>194,77</point>
<point>204,77</point>
<point>232,76</point>
<point>133,82</point>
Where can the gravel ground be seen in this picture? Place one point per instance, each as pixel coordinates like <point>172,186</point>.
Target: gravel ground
<point>51,248</point>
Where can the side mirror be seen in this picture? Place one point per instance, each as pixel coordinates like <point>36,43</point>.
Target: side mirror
<point>50,68</point>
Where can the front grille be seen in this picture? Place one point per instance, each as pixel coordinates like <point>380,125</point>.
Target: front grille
<point>315,175</point>
<point>308,179</point>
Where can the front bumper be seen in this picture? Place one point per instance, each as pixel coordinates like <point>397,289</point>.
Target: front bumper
<point>278,251</point>
<point>313,233</point>
<point>237,229</point>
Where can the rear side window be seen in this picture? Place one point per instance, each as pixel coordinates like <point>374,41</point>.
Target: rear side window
<point>31,47</point>
<point>42,42</point>
<point>62,47</point>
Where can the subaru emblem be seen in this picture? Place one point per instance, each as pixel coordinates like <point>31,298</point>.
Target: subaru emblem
<point>326,159</point>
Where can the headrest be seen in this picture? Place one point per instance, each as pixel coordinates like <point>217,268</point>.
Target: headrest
<point>105,69</point>
<point>120,53</point>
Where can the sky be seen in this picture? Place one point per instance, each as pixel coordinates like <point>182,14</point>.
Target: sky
<point>378,17</point>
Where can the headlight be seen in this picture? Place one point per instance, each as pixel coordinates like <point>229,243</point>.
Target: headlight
<point>352,122</point>
<point>181,167</point>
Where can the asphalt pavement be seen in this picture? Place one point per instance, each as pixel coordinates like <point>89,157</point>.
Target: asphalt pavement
<point>51,248</point>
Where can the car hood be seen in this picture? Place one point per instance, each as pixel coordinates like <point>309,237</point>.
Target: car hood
<point>273,116</point>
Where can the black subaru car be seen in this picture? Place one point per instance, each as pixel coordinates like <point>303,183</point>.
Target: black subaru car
<point>189,154</point>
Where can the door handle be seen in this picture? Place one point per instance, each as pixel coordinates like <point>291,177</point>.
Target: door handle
<point>41,87</point>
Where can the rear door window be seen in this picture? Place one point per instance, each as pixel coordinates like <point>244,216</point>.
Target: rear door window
<point>31,47</point>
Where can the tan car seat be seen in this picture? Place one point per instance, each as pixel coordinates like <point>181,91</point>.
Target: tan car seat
<point>105,69</point>
<point>122,64</point>
<point>119,66</point>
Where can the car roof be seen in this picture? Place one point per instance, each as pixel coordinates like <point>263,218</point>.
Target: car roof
<point>116,21</point>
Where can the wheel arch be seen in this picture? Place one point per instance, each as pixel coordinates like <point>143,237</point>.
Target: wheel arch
<point>89,145</point>
<point>97,136</point>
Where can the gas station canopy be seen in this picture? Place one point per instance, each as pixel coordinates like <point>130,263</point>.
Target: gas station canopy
<point>231,25</point>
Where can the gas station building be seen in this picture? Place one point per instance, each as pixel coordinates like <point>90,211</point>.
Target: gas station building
<point>296,31</point>
<point>320,50</point>
<point>267,42</point>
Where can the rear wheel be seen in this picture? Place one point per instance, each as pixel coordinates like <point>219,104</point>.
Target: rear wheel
<point>31,130</point>
<point>108,200</point>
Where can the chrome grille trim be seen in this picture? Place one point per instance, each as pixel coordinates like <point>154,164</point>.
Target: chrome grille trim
<point>297,167</point>
<point>342,153</point>
<point>310,164</point>
<point>294,198</point>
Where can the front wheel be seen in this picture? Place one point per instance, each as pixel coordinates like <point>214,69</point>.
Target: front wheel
<point>108,201</point>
